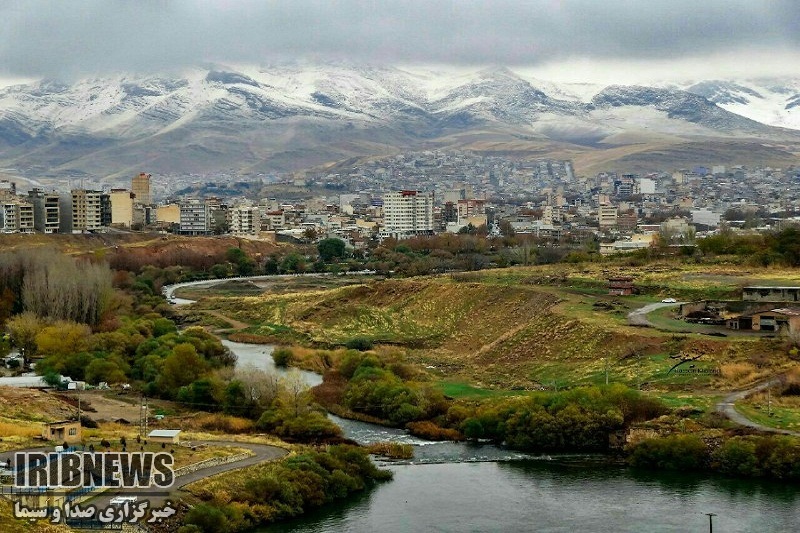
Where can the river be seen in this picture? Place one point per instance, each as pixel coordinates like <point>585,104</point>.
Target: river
<point>457,487</point>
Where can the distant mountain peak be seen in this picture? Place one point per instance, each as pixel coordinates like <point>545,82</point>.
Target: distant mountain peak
<point>289,114</point>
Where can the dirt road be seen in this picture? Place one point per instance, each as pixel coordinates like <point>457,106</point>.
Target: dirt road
<point>727,407</point>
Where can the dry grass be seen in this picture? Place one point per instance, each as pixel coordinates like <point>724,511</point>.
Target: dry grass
<point>518,328</point>
<point>216,422</point>
<point>738,371</point>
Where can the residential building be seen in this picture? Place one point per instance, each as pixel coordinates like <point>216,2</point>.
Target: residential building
<point>168,214</point>
<point>87,212</point>
<point>46,210</point>
<point>244,220</point>
<point>408,213</point>
<point>607,216</point>
<point>273,220</point>
<point>140,185</point>
<point>16,217</point>
<point>122,202</point>
<point>195,218</point>
<point>471,208</point>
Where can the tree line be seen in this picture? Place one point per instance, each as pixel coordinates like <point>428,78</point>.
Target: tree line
<point>54,286</point>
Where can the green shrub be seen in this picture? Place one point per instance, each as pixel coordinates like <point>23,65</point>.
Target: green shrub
<point>282,356</point>
<point>361,344</point>
<point>675,452</point>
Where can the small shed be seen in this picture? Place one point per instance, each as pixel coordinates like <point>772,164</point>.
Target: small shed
<point>164,435</point>
<point>620,286</point>
<point>68,431</point>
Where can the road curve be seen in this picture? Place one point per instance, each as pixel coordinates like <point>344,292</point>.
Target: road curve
<point>727,407</point>
<point>261,453</point>
<point>169,290</point>
<point>638,317</point>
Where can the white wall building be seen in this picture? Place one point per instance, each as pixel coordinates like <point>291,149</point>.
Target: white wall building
<point>244,220</point>
<point>195,218</point>
<point>407,213</point>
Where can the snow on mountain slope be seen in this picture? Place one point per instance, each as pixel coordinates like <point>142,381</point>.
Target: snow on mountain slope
<point>234,116</point>
<point>770,101</point>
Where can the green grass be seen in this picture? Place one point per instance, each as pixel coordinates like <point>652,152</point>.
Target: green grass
<point>459,389</point>
<point>782,417</point>
<point>706,403</point>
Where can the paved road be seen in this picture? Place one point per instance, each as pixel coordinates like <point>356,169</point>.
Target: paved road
<point>638,317</point>
<point>169,290</point>
<point>261,453</point>
<point>727,407</point>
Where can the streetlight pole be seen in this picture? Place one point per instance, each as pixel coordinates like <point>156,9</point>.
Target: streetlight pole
<point>711,522</point>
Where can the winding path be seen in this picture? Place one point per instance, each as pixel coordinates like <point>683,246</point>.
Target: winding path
<point>638,317</point>
<point>261,453</point>
<point>727,407</point>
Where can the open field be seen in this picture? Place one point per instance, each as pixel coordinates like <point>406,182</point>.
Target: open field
<point>783,412</point>
<point>527,328</point>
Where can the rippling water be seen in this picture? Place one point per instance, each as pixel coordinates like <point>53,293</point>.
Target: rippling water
<point>460,487</point>
<point>555,497</point>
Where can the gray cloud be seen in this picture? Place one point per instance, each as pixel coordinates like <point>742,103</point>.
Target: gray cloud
<point>58,39</point>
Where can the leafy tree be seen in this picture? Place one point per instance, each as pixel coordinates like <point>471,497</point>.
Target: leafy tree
<point>63,338</point>
<point>330,249</point>
<point>181,367</point>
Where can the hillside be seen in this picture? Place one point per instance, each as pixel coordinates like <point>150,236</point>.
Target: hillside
<point>515,328</point>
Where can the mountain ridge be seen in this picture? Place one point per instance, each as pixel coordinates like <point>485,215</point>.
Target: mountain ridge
<point>289,117</point>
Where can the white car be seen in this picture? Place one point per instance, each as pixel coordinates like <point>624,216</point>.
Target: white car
<point>669,301</point>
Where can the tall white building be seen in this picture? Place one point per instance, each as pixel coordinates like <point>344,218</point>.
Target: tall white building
<point>195,218</point>
<point>407,213</point>
<point>244,220</point>
<point>16,217</point>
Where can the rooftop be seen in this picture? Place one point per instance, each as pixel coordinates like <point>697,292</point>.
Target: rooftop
<point>164,433</point>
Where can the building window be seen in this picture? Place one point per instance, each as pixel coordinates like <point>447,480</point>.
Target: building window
<point>73,431</point>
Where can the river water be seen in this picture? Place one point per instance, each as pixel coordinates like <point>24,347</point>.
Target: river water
<point>458,487</point>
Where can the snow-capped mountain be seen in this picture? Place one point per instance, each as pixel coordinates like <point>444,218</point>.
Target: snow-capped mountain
<point>292,116</point>
<point>770,101</point>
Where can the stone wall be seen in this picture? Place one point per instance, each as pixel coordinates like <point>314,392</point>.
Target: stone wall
<point>214,461</point>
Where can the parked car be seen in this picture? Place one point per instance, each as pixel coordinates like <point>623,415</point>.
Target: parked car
<point>669,301</point>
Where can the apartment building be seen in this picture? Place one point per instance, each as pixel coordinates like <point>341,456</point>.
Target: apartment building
<point>122,207</point>
<point>88,210</point>
<point>16,217</point>
<point>195,218</point>
<point>407,213</point>
<point>607,216</point>
<point>46,210</point>
<point>244,220</point>
<point>140,186</point>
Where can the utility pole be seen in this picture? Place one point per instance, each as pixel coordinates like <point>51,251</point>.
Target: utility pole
<point>711,522</point>
<point>143,417</point>
<point>769,401</point>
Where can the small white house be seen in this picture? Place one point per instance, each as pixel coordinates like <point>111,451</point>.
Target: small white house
<point>164,435</point>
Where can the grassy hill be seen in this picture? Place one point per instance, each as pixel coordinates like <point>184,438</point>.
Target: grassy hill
<point>519,328</point>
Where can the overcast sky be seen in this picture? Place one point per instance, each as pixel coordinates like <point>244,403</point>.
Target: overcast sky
<point>592,40</point>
